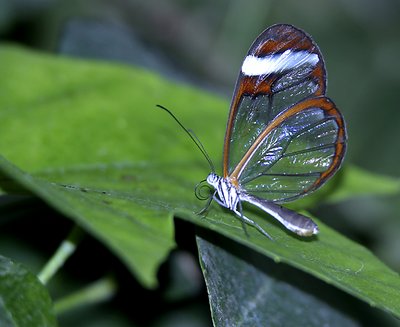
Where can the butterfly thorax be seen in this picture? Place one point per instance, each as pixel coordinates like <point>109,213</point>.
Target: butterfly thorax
<point>228,193</point>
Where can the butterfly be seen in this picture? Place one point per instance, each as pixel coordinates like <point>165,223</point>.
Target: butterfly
<point>284,138</point>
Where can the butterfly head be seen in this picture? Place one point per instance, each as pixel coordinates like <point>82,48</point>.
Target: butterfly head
<point>207,187</point>
<point>213,179</point>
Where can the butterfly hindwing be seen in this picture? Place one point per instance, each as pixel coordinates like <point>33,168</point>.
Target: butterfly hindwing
<point>303,148</point>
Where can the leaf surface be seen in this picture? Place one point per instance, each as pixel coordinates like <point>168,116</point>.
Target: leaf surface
<point>87,139</point>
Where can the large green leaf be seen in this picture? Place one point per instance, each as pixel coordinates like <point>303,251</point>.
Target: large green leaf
<point>141,234</point>
<point>87,139</point>
<point>24,301</point>
<point>58,112</point>
<point>247,291</point>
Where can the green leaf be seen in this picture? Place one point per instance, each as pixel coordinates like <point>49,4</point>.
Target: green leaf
<point>77,117</point>
<point>359,182</point>
<point>95,148</point>
<point>350,182</point>
<point>329,256</point>
<point>245,290</point>
<point>141,235</point>
<point>66,112</point>
<point>24,301</point>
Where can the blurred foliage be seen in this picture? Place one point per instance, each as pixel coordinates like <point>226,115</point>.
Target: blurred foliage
<point>203,43</point>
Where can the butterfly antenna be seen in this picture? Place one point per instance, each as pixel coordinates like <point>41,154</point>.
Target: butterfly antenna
<point>193,136</point>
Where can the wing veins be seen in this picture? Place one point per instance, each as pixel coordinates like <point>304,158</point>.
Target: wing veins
<point>273,191</point>
<point>311,126</point>
<point>291,174</point>
<point>316,148</point>
<point>269,128</point>
<point>300,81</point>
<point>316,174</point>
<point>305,129</point>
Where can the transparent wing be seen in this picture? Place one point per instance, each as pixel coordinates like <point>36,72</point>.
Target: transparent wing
<point>296,153</point>
<point>283,67</point>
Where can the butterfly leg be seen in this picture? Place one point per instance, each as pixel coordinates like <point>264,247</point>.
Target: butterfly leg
<point>216,199</point>
<point>223,204</point>
<point>243,219</point>
<point>250,222</point>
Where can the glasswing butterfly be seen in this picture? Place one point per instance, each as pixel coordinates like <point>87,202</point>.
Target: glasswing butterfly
<point>284,137</point>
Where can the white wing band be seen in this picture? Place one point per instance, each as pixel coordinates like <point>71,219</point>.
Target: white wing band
<point>278,62</point>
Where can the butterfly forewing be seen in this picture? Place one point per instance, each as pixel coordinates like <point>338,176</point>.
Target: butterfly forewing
<point>282,67</point>
<point>284,137</point>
